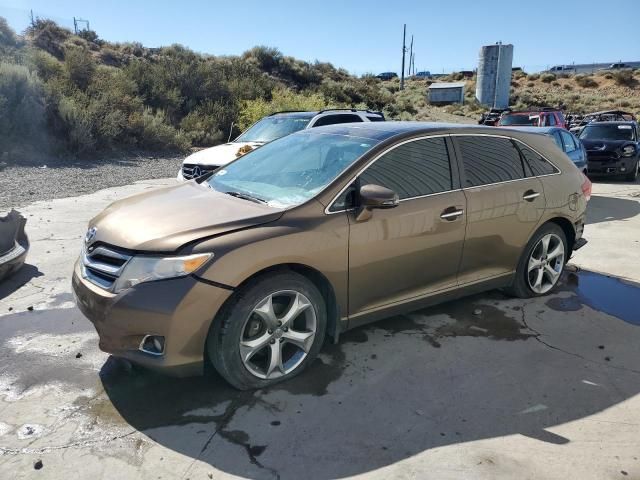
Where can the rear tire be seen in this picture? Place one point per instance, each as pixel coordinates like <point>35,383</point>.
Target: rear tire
<point>541,263</point>
<point>269,331</point>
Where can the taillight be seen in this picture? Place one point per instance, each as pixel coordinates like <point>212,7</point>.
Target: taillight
<point>586,188</point>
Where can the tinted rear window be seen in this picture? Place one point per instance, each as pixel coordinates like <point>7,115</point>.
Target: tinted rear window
<point>375,118</point>
<point>335,119</point>
<point>490,160</point>
<point>539,166</point>
<point>531,120</point>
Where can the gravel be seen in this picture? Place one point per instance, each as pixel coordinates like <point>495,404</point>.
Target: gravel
<point>25,184</point>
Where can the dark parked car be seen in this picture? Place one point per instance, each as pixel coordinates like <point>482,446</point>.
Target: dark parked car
<point>321,231</point>
<point>613,148</point>
<point>567,142</point>
<point>603,116</point>
<point>387,75</point>
<point>14,243</point>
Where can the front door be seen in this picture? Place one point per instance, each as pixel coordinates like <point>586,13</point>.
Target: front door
<point>415,248</point>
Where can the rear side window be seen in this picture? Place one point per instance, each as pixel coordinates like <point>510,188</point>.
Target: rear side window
<point>414,169</point>
<point>375,118</point>
<point>335,119</point>
<point>539,166</point>
<point>489,160</point>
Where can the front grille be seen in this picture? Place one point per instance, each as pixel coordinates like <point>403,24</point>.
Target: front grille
<point>598,156</point>
<point>102,266</point>
<point>192,170</point>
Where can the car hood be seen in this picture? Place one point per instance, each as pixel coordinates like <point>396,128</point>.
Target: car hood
<point>220,154</point>
<point>605,145</point>
<point>165,219</point>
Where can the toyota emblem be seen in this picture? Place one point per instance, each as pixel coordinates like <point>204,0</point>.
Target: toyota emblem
<point>91,234</point>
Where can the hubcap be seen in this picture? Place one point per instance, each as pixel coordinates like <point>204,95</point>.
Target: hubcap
<point>546,263</point>
<point>278,334</point>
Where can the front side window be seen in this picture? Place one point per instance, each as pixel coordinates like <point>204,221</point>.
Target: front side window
<point>414,169</point>
<point>291,170</point>
<point>569,144</point>
<point>539,166</point>
<point>490,160</point>
<point>270,128</point>
<point>335,119</point>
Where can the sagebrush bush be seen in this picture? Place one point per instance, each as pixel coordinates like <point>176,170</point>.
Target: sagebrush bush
<point>585,81</point>
<point>533,76</point>
<point>281,99</point>
<point>21,104</point>
<point>624,78</point>
<point>547,77</point>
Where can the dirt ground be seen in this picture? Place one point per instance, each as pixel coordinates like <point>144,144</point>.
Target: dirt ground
<point>487,387</point>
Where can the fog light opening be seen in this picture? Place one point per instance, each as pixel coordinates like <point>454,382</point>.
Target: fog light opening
<point>152,344</point>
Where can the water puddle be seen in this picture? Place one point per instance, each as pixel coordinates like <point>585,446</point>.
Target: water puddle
<point>614,296</point>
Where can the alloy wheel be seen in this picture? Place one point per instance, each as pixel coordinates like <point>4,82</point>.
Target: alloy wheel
<point>546,263</point>
<point>278,334</point>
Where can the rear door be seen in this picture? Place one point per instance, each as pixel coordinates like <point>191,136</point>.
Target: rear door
<point>413,249</point>
<point>504,204</point>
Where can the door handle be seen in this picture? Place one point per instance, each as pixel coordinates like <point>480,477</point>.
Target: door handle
<point>451,213</point>
<point>530,195</point>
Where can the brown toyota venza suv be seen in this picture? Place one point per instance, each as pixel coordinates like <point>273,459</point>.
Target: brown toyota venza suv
<point>321,231</point>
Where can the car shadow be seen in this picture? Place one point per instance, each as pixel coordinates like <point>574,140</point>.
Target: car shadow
<point>605,209</point>
<point>20,278</point>
<point>389,391</point>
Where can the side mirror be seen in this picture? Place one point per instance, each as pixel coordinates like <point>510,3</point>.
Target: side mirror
<point>375,196</point>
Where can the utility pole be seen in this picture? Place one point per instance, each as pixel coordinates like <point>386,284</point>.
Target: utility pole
<point>410,56</point>
<point>404,50</point>
<point>32,20</point>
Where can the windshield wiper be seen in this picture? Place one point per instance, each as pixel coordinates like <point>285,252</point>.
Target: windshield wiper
<point>246,196</point>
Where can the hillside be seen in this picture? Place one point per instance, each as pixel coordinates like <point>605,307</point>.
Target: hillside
<point>78,95</point>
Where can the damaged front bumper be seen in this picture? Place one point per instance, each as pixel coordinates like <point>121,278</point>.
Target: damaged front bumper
<point>14,244</point>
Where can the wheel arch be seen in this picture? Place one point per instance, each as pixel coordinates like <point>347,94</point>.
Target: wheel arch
<point>314,276</point>
<point>568,229</point>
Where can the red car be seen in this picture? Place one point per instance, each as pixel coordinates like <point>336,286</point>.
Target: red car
<point>533,118</point>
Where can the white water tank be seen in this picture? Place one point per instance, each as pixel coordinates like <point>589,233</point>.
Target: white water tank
<point>493,81</point>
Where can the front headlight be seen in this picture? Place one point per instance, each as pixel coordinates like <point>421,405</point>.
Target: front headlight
<point>144,268</point>
<point>628,151</point>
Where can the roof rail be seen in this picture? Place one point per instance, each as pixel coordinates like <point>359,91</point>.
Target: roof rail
<point>338,110</point>
<point>289,111</point>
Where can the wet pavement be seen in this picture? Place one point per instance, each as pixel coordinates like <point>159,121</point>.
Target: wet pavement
<point>484,387</point>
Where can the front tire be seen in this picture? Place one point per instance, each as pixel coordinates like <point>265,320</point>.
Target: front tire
<point>541,263</point>
<point>269,331</point>
<point>633,176</point>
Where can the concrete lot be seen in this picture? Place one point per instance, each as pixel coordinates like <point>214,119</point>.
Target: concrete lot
<point>543,389</point>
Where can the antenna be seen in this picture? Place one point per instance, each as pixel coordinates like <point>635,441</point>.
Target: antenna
<point>230,132</point>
